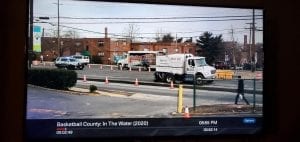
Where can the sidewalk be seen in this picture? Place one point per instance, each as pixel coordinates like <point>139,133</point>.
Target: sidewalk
<point>137,96</point>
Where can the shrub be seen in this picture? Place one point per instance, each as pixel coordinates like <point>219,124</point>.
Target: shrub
<point>32,55</point>
<point>52,78</point>
<point>93,88</point>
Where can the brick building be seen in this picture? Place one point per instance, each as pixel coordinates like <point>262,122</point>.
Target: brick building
<point>168,48</point>
<point>105,49</point>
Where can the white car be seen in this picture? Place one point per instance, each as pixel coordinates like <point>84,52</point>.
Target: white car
<point>68,63</point>
<point>82,59</point>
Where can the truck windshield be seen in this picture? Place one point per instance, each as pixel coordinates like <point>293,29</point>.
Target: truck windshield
<point>200,62</point>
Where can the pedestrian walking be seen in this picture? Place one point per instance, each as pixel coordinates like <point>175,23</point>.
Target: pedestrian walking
<point>42,58</point>
<point>240,91</point>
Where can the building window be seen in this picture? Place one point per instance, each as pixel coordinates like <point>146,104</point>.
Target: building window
<point>100,43</point>
<point>100,53</point>
<point>165,50</point>
<point>117,43</point>
<point>146,49</point>
<point>124,43</point>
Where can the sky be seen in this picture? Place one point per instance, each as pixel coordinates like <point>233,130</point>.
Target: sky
<point>89,19</point>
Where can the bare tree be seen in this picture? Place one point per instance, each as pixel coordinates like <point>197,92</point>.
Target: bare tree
<point>158,35</point>
<point>167,38</point>
<point>131,32</point>
<point>71,34</point>
<point>51,33</point>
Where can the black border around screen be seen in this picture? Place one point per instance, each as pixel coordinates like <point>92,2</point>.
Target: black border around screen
<point>264,124</point>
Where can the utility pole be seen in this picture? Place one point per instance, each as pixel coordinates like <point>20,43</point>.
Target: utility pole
<point>43,33</point>
<point>253,42</point>
<point>176,41</point>
<point>58,31</point>
<point>58,36</point>
<point>233,46</point>
<point>250,30</point>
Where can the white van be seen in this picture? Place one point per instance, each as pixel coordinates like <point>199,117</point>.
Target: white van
<point>68,63</point>
<point>82,59</point>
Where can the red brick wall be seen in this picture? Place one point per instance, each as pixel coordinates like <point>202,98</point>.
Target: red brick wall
<point>170,47</point>
<point>106,49</point>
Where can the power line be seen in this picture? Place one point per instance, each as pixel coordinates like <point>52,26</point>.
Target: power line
<point>152,18</point>
<point>134,22</point>
<point>115,35</point>
<point>183,32</point>
<point>161,33</point>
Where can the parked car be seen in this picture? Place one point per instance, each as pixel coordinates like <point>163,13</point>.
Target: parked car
<point>68,63</point>
<point>239,67</point>
<point>221,65</point>
<point>247,66</point>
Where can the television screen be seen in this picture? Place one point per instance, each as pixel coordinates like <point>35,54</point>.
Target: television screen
<point>100,69</point>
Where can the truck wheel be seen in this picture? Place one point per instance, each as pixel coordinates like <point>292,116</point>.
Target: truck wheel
<point>199,80</point>
<point>169,78</point>
<point>156,77</point>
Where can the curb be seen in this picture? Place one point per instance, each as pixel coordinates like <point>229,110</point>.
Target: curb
<point>260,92</point>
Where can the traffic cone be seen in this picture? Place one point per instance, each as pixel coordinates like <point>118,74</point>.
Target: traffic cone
<point>258,76</point>
<point>111,67</point>
<point>129,68</point>
<point>101,67</point>
<point>136,82</point>
<point>106,80</point>
<point>89,66</point>
<point>139,69</point>
<point>186,112</point>
<point>84,78</point>
<point>172,85</point>
<point>149,69</point>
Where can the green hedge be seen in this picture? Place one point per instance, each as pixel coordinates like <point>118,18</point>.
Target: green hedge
<point>52,78</point>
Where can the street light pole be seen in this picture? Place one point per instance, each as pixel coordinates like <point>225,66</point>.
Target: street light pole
<point>253,41</point>
<point>58,36</point>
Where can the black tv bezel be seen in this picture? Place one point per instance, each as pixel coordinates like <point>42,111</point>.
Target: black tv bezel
<point>266,109</point>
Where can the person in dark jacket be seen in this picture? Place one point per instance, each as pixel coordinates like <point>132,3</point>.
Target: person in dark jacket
<point>240,91</point>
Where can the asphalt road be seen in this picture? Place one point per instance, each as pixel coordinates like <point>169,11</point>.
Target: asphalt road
<point>52,104</point>
<point>123,100</point>
<point>95,72</point>
<point>145,76</point>
<point>203,97</point>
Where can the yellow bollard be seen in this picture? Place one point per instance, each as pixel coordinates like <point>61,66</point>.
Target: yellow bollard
<point>180,95</point>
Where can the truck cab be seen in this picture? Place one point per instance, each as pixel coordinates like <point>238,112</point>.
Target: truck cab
<point>183,67</point>
<point>197,66</point>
